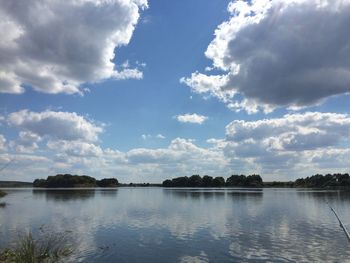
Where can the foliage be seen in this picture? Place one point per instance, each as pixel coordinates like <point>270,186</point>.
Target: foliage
<point>195,180</point>
<point>40,183</point>
<point>322,181</point>
<point>276,184</point>
<point>45,249</point>
<point>244,181</point>
<point>14,184</point>
<point>218,182</point>
<point>68,180</point>
<point>108,182</point>
<point>208,181</point>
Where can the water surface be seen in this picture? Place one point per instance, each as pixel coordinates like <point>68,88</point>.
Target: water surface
<point>185,225</point>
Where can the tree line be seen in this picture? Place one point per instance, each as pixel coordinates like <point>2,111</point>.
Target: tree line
<point>324,181</point>
<point>68,180</point>
<point>254,180</point>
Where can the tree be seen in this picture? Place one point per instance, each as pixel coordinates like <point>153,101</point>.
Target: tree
<point>218,182</point>
<point>180,181</point>
<point>236,180</point>
<point>68,180</point>
<point>108,182</point>
<point>195,181</point>
<point>254,181</point>
<point>207,181</point>
<point>167,183</point>
<point>39,183</point>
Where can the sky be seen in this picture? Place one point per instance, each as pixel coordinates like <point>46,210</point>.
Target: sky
<point>145,90</point>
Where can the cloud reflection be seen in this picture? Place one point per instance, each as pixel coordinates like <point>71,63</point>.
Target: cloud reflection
<point>188,225</point>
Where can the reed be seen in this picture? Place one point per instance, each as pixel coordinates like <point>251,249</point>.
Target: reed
<point>45,249</point>
<point>2,194</point>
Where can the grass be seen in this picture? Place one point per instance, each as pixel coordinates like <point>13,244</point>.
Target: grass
<point>45,249</point>
<point>2,204</point>
<point>2,194</point>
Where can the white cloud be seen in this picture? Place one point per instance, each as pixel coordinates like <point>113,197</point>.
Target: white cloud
<point>55,125</point>
<point>149,136</point>
<point>128,74</point>
<point>181,157</point>
<point>294,143</point>
<point>270,60</point>
<point>75,148</point>
<point>160,136</point>
<point>2,143</point>
<point>56,46</point>
<point>26,143</point>
<point>305,131</point>
<point>180,151</point>
<point>282,148</point>
<point>191,118</point>
<point>203,84</point>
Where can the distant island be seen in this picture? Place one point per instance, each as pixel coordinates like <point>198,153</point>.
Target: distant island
<point>328,181</point>
<point>254,180</point>
<point>332,181</point>
<point>68,180</point>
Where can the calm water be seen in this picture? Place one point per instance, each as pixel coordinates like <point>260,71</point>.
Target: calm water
<point>185,225</point>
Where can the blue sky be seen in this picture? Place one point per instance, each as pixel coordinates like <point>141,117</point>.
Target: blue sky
<point>145,90</point>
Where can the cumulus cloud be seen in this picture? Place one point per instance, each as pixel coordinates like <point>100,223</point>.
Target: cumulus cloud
<point>305,131</point>
<point>289,146</point>
<point>180,151</point>
<point>275,53</point>
<point>191,118</point>
<point>56,46</point>
<point>26,143</point>
<point>288,142</point>
<point>75,148</point>
<point>55,125</point>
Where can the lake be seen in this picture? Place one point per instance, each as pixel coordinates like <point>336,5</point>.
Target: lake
<point>185,225</point>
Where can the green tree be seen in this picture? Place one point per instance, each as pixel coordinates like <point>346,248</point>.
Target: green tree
<point>195,181</point>
<point>218,182</point>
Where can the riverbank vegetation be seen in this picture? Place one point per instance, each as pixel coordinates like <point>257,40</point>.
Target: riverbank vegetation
<point>208,181</point>
<point>44,249</point>
<point>14,184</point>
<point>2,194</point>
<point>337,180</point>
<point>324,181</point>
<point>68,180</point>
